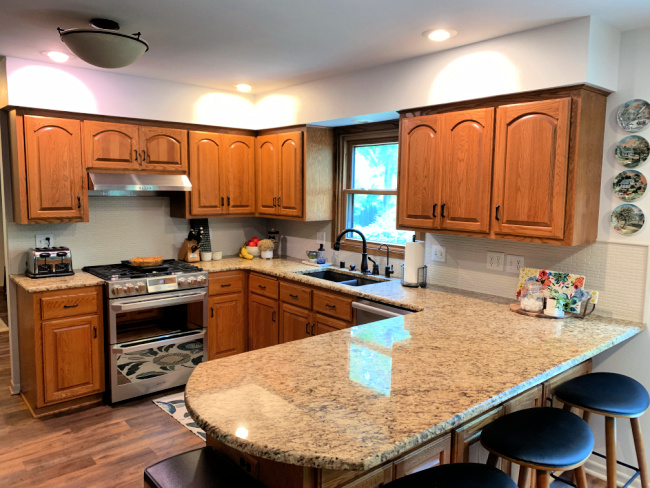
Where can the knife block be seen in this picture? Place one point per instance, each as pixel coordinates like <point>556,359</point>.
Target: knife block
<point>186,254</point>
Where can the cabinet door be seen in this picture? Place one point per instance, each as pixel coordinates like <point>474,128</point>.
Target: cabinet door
<point>325,324</point>
<point>433,454</point>
<point>290,165</point>
<point>164,149</point>
<point>239,174</point>
<point>266,162</point>
<point>55,174</point>
<point>226,326</point>
<point>466,439</point>
<point>206,164</point>
<point>418,186</point>
<point>466,179</point>
<point>262,322</point>
<point>72,358</point>
<point>295,323</point>
<point>530,168</point>
<point>111,146</point>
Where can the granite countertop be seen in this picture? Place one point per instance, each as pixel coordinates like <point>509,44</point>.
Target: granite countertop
<point>77,280</point>
<point>352,399</point>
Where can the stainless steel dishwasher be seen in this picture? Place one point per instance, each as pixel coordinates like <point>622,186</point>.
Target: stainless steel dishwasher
<point>370,311</point>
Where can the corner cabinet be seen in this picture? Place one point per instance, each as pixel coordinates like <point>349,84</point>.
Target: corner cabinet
<point>48,179</point>
<point>541,185</point>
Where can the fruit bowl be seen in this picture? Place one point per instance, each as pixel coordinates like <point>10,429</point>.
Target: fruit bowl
<point>254,250</point>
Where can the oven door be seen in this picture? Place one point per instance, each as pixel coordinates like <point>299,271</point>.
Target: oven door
<point>155,342</point>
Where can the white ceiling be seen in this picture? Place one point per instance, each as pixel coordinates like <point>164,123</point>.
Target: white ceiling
<point>277,43</point>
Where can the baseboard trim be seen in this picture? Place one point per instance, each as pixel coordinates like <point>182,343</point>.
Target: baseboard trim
<point>597,467</point>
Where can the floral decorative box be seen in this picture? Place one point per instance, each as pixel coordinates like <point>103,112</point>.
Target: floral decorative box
<point>565,286</point>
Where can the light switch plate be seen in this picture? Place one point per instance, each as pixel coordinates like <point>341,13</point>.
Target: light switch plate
<point>44,240</point>
<point>495,261</point>
<point>514,263</point>
<point>439,254</point>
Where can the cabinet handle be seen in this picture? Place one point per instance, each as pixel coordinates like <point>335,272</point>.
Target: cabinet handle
<point>261,287</point>
<point>312,328</point>
<point>78,202</point>
<point>144,156</point>
<point>496,213</point>
<point>95,332</point>
<point>293,296</point>
<point>331,307</point>
<point>71,306</point>
<point>136,155</point>
<point>442,210</point>
<point>222,201</point>
<point>211,311</point>
<point>245,465</point>
<point>273,316</point>
<point>433,212</point>
<point>274,199</point>
<point>228,198</point>
<point>279,201</point>
<point>225,285</point>
<point>307,328</point>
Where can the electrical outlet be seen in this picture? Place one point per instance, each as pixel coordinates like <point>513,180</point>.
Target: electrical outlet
<point>44,240</point>
<point>495,261</point>
<point>514,263</point>
<point>439,254</point>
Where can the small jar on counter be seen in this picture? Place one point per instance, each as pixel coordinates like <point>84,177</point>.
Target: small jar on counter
<point>532,297</point>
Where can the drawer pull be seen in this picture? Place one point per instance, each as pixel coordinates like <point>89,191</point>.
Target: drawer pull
<point>244,464</point>
<point>262,287</point>
<point>225,285</point>
<point>293,296</point>
<point>71,306</point>
<point>331,307</point>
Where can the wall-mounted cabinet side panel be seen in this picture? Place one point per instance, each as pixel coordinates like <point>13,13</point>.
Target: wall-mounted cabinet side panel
<point>266,163</point>
<point>318,149</point>
<point>54,170</point>
<point>110,146</point>
<point>418,186</point>
<point>290,172</point>
<point>163,150</point>
<point>466,178</point>
<point>207,197</point>
<point>530,168</point>
<point>240,174</point>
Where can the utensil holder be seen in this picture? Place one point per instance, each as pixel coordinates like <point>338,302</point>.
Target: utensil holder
<point>422,278</point>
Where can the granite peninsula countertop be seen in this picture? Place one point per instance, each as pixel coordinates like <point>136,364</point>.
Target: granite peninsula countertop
<point>352,399</point>
<point>78,280</point>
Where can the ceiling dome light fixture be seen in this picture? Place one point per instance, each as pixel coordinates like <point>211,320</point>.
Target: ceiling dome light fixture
<point>439,35</point>
<point>56,56</point>
<point>103,46</point>
<point>243,87</point>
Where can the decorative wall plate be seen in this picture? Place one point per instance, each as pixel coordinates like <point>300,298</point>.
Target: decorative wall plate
<point>629,185</point>
<point>627,219</point>
<point>632,151</point>
<point>634,115</point>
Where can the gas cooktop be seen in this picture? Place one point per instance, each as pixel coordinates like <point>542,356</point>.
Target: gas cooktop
<point>126,271</point>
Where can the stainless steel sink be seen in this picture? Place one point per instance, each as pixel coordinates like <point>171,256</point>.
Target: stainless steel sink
<point>344,278</point>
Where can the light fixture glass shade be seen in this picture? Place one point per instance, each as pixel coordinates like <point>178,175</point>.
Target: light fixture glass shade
<point>103,48</point>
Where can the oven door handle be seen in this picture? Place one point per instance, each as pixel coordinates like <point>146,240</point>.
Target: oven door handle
<point>157,343</point>
<point>157,302</point>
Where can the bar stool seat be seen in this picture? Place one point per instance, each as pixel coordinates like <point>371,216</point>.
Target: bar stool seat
<point>202,468</point>
<point>461,475</point>
<point>606,393</point>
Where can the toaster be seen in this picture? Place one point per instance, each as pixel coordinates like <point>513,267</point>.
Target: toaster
<point>44,262</point>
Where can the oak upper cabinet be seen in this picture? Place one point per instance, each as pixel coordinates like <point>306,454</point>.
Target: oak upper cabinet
<point>239,172</point>
<point>207,158</point>
<point>114,146</point>
<point>530,171</point>
<point>49,183</point>
<point>279,169</point>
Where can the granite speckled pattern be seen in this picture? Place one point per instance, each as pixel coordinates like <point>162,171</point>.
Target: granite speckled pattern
<point>352,399</point>
<point>77,280</point>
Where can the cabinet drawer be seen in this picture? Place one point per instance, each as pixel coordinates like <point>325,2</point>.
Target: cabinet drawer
<point>295,294</point>
<point>224,283</point>
<point>328,324</point>
<point>263,285</point>
<point>339,306</point>
<point>56,307</point>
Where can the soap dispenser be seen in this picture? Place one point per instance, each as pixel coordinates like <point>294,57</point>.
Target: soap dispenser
<point>321,255</point>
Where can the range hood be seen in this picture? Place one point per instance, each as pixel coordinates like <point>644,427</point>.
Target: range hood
<point>131,184</point>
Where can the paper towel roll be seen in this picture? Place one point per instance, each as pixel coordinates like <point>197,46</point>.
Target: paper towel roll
<point>413,259</point>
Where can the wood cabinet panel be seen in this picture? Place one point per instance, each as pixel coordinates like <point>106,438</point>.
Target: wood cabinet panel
<point>72,360</point>
<point>53,307</point>
<point>551,384</point>
<point>109,145</point>
<point>295,323</point>
<point>419,172</point>
<point>467,448</point>
<point>531,167</point>
<point>433,454</point>
<point>55,189</point>
<point>240,173</point>
<point>290,174</point>
<point>206,167</point>
<point>263,329</point>
<point>226,326</point>
<point>295,294</point>
<point>266,155</point>
<point>466,176</point>
<point>325,324</point>
<point>528,399</point>
<point>164,149</point>
<point>339,306</point>
<point>224,283</point>
<point>263,285</point>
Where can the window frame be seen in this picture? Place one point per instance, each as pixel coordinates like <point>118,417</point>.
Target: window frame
<point>346,141</point>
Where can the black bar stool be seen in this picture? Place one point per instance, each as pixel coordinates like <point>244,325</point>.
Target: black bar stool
<point>201,468</point>
<point>613,396</point>
<point>461,475</point>
<point>542,439</point>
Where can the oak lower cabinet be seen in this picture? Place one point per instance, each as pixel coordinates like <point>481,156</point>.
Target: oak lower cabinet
<point>227,327</point>
<point>61,348</point>
<point>263,308</point>
<point>295,323</point>
<point>48,178</point>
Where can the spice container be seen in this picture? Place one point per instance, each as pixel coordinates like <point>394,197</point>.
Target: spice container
<point>532,297</point>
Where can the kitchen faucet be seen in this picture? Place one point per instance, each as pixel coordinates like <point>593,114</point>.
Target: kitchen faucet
<point>389,269</point>
<point>364,253</point>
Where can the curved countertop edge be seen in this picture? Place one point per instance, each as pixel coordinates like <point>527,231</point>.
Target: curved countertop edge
<point>304,459</point>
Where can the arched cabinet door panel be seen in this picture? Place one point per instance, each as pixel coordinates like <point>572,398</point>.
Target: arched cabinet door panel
<point>163,149</point>
<point>206,166</point>
<point>240,173</point>
<point>290,174</point>
<point>266,155</point>
<point>111,146</point>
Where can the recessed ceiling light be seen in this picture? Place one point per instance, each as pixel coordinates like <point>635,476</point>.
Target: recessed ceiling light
<point>439,34</point>
<point>56,56</point>
<point>243,87</point>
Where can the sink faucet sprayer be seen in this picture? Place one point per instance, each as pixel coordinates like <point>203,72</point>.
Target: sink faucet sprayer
<point>389,269</point>
<point>364,253</point>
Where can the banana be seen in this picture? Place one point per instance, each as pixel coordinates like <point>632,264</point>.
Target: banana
<point>243,253</point>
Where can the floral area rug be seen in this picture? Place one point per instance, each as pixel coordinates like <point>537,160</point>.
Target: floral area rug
<point>174,405</point>
<point>158,361</point>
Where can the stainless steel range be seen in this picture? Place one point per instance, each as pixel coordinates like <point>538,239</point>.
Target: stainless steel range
<point>156,321</point>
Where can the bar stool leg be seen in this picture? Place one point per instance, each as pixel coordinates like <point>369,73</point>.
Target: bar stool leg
<point>610,450</point>
<point>580,477</point>
<point>543,479</point>
<point>640,451</point>
<point>524,476</point>
<point>492,460</point>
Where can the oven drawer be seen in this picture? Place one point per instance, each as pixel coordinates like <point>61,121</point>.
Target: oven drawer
<point>264,286</point>
<point>59,306</point>
<point>224,283</point>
